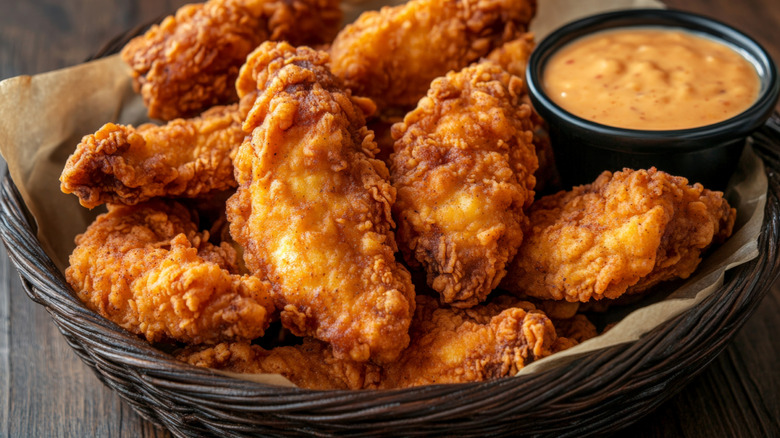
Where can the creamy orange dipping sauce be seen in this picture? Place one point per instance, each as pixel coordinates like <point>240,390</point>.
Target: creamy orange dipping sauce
<point>651,78</point>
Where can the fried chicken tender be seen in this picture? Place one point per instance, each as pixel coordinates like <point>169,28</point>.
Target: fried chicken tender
<point>463,167</point>
<point>554,309</point>
<point>513,57</point>
<point>190,61</point>
<point>448,346</point>
<point>392,55</point>
<point>312,210</point>
<point>489,341</point>
<point>622,234</point>
<point>311,365</point>
<point>148,269</point>
<point>184,158</point>
<point>577,328</point>
<point>382,128</point>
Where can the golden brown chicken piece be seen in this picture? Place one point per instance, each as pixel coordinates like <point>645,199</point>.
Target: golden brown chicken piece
<point>448,346</point>
<point>310,365</point>
<point>392,55</point>
<point>382,127</point>
<point>622,234</point>
<point>312,210</point>
<point>463,167</point>
<point>554,309</point>
<point>513,57</point>
<point>184,158</point>
<point>148,269</point>
<point>577,328</point>
<point>489,341</point>
<point>190,61</point>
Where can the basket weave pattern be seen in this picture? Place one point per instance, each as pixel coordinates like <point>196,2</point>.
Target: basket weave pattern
<point>602,392</point>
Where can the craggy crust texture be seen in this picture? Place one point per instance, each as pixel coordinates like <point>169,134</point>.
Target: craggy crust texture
<point>466,345</point>
<point>184,158</point>
<point>392,55</point>
<point>191,60</point>
<point>622,234</point>
<point>148,269</point>
<point>513,57</point>
<point>576,328</point>
<point>463,167</point>
<point>312,210</point>
<point>311,365</point>
<point>448,345</point>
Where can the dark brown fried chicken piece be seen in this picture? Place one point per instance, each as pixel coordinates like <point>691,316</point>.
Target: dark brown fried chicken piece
<point>190,61</point>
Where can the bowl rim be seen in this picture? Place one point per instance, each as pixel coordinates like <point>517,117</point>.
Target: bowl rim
<point>696,138</point>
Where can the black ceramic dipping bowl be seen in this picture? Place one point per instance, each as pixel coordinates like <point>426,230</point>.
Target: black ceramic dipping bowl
<point>706,154</point>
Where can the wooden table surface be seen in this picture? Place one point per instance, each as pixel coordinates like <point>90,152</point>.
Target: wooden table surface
<point>45,390</point>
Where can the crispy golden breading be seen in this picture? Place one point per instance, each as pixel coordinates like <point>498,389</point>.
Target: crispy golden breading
<point>191,60</point>
<point>148,269</point>
<point>448,346</point>
<point>555,309</point>
<point>184,158</point>
<point>310,365</point>
<point>312,210</point>
<point>382,127</point>
<point>392,55</point>
<point>622,234</point>
<point>513,57</point>
<point>489,341</point>
<point>463,167</point>
<point>577,328</point>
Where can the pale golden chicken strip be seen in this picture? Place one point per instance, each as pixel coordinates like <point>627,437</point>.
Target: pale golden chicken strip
<point>467,345</point>
<point>622,234</point>
<point>310,365</point>
<point>463,167</point>
<point>184,158</point>
<point>148,269</point>
<point>312,210</point>
<point>190,61</point>
<point>392,55</point>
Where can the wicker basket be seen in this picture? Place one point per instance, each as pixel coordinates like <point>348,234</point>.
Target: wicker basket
<point>602,392</point>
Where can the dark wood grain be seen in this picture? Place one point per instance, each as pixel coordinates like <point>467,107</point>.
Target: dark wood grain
<point>45,390</point>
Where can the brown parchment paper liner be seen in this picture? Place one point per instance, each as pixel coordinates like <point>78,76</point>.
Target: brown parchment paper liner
<point>43,117</point>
